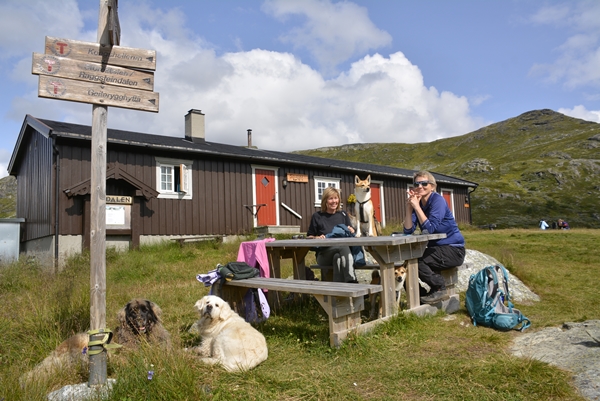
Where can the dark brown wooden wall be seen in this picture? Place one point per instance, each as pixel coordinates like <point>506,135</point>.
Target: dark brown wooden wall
<point>35,196</point>
<point>221,188</point>
<point>296,195</point>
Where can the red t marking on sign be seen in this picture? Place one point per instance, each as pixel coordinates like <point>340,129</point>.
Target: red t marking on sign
<point>61,46</point>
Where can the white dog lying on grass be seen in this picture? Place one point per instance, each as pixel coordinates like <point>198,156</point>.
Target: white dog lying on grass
<point>227,339</point>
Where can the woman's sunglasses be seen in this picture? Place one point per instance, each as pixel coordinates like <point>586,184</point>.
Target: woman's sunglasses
<point>421,183</point>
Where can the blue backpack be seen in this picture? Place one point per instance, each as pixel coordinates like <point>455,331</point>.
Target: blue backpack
<point>488,300</point>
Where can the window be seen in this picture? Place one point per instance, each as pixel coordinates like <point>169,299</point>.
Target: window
<point>323,182</point>
<point>174,178</point>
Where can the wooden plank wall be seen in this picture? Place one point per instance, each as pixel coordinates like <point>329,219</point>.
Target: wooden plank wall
<point>34,187</point>
<point>220,189</point>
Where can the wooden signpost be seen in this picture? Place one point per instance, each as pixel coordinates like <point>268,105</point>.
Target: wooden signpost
<point>101,53</point>
<point>107,95</point>
<point>103,74</point>
<point>86,71</point>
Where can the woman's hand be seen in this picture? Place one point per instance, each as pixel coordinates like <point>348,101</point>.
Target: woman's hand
<point>351,229</point>
<point>413,200</point>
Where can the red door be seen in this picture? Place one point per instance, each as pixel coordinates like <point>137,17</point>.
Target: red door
<point>376,199</point>
<point>448,196</point>
<point>265,194</point>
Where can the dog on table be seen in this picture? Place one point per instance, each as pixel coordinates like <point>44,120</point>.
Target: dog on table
<point>227,339</point>
<point>364,211</point>
<point>374,299</point>
<point>139,322</point>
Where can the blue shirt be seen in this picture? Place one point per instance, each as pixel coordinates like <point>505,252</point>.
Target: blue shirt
<point>439,221</point>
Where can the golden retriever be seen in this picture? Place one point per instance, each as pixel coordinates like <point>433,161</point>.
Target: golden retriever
<point>139,321</point>
<point>227,339</point>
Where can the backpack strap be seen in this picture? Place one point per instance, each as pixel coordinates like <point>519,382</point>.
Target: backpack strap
<point>506,290</point>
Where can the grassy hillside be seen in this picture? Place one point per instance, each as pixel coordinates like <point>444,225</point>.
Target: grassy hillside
<point>8,197</point>
<point>541,164</point>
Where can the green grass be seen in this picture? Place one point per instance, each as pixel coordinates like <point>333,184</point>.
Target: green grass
<point>407,358</point>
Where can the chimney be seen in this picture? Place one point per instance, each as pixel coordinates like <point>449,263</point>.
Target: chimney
<point>249,138</point>
<point>194,126</point>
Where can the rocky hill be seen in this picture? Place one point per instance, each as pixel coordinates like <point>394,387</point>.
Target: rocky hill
<point>541,164</point>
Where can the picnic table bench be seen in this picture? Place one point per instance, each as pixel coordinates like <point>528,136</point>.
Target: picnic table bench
<point>343,302</point>
<point>450,275</point>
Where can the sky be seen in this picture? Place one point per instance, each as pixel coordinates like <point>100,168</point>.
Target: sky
<point>305,74</point>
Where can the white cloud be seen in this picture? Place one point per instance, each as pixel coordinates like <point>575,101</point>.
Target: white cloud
<point>332,32</point>
<point>286,103</point>
<point>290,106</point>
<point>578,61</point>
<point>27,22</point>
<point>581,112</point>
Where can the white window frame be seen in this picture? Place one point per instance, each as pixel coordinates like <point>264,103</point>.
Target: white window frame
<point>185,178</point>
<point>441,192</point>
<point>327,182</point>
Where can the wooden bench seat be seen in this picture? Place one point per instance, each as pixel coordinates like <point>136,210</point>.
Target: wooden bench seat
<point>182,240</point>
<point>343,302</point>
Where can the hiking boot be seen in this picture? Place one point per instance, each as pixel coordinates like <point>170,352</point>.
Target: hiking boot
<point>435,297</point>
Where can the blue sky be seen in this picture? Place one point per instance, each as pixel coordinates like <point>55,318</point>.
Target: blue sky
<point>304,74</point>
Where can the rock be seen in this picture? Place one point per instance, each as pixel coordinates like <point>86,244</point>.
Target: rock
<point>475,261</point>
<point>573,347</point>
<point>77,392</point>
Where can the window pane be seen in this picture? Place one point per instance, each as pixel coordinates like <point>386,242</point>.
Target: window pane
<point>320,188</point>
<point>166,178</point>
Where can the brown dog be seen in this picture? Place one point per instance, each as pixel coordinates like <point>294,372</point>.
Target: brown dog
<point>139,321</point>
<point>400,275</point>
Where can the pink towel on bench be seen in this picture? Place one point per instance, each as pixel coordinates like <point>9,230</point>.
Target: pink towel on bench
<point>255,254</point>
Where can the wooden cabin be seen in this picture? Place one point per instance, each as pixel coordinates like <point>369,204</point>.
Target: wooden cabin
<point>161,187</point>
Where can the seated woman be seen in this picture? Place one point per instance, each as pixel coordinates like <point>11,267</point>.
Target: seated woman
<point>430,211</point>
<point>323,223</point>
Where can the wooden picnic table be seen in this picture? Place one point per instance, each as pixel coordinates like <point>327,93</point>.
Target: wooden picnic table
<point>386,250</point>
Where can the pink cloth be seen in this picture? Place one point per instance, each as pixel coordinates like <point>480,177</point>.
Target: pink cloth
<point>255,254</point>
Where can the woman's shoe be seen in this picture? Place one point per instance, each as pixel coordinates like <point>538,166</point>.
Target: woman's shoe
<point>435,297</point>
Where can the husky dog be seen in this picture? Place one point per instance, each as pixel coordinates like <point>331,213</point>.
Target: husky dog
<point>363,208</point>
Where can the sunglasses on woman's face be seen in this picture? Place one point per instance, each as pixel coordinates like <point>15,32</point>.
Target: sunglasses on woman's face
<point>421,183</point>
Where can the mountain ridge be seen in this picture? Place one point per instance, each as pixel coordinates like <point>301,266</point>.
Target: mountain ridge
<point>540,164</point>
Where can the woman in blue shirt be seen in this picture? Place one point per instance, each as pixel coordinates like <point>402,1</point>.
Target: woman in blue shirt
<point>430,211</point>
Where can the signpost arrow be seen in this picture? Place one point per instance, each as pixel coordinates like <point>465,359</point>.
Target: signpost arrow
<point>105,95</point>
<point>61,67</point>
<point>101,53</point>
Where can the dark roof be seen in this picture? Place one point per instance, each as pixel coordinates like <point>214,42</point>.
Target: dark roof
<point>160,142</point>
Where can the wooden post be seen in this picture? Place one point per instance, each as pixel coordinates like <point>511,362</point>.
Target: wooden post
<point>97,369</point>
